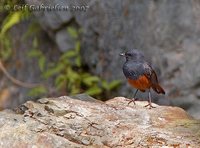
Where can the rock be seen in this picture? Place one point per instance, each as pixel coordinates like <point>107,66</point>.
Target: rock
<point>85,97</point>
<point>167,31</point>
<point>67,122</point>
<point>54,20</point>
<point>64,40</point>
<point>19,67</point>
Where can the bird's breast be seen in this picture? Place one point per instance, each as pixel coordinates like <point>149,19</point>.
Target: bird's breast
<point>142,83</point>
<point>132,70</point>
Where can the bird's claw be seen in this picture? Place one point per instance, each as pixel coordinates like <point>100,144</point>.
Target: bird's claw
<point>132,100</point>
<point>150,106</point>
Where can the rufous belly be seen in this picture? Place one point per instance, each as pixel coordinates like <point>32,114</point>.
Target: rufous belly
<point>142,83</point>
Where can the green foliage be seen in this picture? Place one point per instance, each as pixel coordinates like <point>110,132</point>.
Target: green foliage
<point>88,80</point>
<point>36,53</point>
<point>12,18</point>
<point>69,73</point>
<point>94,91</point>
<point>32,31</point>
<point>10,21</point>
<point>37,91</point>
<point>5,48</point>
<point>72,32</point>
<point>110,86</point>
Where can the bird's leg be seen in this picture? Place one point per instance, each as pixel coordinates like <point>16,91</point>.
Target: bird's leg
<point>149,104</point>
<point>133,99</point>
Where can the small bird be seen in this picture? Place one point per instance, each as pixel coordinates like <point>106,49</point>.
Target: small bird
<point>140,74</point>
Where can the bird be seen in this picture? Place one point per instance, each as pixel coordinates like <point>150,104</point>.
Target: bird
<point>140,74</point>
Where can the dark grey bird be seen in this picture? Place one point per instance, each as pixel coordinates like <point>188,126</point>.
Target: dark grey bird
<point>140,74</point>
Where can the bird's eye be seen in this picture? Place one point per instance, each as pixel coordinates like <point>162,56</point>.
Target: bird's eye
<point>128,54</point>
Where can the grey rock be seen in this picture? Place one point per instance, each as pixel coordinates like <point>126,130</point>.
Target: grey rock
<point>85,97</point>
<point>64,40</point>
<point>54,17</point>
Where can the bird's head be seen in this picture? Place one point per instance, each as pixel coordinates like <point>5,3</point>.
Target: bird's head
<point>133,55</point>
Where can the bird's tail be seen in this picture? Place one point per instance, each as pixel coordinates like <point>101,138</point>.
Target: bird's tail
<point>157,88</point>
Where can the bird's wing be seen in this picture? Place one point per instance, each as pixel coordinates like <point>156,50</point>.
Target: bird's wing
<point>150,73</point>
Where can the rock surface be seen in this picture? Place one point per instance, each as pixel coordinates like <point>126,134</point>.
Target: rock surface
<point>66,122</point>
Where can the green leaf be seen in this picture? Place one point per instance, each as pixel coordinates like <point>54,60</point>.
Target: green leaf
<point>114,84</point>
<point>60,81</point>
<point>34,53</point>
<point>41,63</point>
<point>78,61</point>
<point>110,86</point>
<point>37,91</point>
<point>80,30</point>
<point>68,54</point>
<point>33,30</point>
<point>105,84</point>
<point>94,91</point>
<point>72,76</point>
<point>5,53</point>
<point>77,46</point>
<point>74,90</point>
<point>6,49</point>
<point>90,80</point>
<point>72,32</point>
<point>52,71</point>
<point>10,21</point>
<point>84,75</point>
<point>35,43</point>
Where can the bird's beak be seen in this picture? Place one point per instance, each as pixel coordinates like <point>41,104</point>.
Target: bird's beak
<point>122,54</point>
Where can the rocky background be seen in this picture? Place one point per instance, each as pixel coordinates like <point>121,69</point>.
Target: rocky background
<point>167,31</point>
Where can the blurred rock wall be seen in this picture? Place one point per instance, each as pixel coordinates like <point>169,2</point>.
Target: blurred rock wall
<point>167,31</point>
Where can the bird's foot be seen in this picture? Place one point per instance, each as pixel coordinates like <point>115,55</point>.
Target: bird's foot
<point>132,100</point>
<point>150,106</point>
